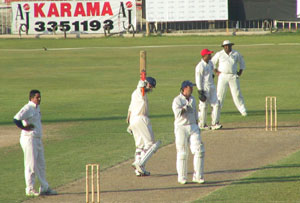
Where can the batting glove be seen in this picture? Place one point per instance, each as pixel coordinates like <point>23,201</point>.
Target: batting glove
<point>142,84</point>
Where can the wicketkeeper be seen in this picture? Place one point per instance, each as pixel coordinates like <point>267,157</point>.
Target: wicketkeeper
<point>204,78</point>
<point>140,126</point>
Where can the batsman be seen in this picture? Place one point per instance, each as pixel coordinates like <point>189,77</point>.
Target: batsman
<point>187,134</point>
<point>139,122</point>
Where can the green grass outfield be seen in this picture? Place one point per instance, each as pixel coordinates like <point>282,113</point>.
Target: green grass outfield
<point>278,182</point>
<point>86,86</point>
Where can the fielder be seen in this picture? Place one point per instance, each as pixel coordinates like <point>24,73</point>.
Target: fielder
<point>227,70</point>
<point>207,92</point>
<point>29,120</point>
<point>140,126</point>
<point>187,133</point>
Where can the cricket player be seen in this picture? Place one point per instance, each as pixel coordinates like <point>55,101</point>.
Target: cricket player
<point>29,120</point>
<point>140,126</point>
<point>207,92</point>
<point>187,133</point>
<point>226,67</point>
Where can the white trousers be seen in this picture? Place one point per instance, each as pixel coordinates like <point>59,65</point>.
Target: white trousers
<point>212,100</point>
<point>231,80</point>
<point>34,162</point>
<point>189,135</point>
<point>143,135</point>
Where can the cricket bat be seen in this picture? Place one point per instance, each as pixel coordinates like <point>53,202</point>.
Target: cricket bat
<point>143,55</point>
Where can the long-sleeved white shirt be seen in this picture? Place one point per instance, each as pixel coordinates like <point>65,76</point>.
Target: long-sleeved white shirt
<point>204,75</point>
<point>139,104</point>
<point>228,63</point>
<point>31,114</point>
<point>184,110</point>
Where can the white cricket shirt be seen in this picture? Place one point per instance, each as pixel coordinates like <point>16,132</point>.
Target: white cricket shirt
<point>139,104</point>
<point>31,114</point>
<point>204,75</point>
<point>228,63</point>
<point>184,117</point>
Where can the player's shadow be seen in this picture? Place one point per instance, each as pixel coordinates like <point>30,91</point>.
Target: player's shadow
<point>235,170</point>
<point>164,175</point>
<point>254,169</point>
<point>273,179</point>
<point>207,184</point>
<point>259,127</point>
<point>262,112</point>
<point>211,183</point>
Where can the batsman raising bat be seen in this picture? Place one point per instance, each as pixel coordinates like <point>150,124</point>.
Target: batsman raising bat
<point>139,123</point>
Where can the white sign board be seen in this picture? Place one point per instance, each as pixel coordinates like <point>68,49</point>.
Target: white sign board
<point>298,8</point>
<point>42,17</point>
<point>186,10</point>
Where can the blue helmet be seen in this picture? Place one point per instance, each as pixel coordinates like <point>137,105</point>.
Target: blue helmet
<point>151,81</point>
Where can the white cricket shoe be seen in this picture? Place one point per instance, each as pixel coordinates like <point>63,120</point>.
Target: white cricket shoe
<point>216,126</point>
<point>205,127</point>
<point>182,181</point>
<point>200,181</point>
<point>32,193</point>
<point>244,114</point>
<point>146,173</point>
<point>139,168</point>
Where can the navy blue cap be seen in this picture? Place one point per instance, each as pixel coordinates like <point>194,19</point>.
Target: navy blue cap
<point>187,83</point>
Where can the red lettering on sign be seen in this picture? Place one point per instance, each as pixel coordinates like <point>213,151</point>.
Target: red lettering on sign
<point>93,10</point>
<point>65,9</point>
<point>38,12</point>
<point>106,9</point>
<point>53,10</point>
<point>79,10</point>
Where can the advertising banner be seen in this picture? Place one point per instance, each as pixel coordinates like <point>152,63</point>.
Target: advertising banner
<point>298,8</point>
<point>46,17</point>
<point>186,10</point>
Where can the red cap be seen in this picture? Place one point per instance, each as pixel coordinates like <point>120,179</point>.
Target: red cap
<point>206,52</point>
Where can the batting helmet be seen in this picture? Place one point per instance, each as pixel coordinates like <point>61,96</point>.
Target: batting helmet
<point>151,81</point>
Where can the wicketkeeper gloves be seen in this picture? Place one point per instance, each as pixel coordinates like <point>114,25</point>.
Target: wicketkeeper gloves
<point>201,95</point>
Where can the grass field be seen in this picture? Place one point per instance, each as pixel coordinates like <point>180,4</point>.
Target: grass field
<point>278,182</point>
<point>86,91</point>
